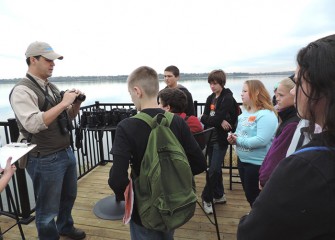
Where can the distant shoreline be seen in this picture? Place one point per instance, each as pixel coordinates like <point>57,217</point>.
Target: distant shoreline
<point>123,78</point>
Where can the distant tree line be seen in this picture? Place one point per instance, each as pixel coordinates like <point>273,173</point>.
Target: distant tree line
<point>123,78</point>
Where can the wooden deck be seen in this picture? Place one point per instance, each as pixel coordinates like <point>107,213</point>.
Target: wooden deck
<point>94,187</point>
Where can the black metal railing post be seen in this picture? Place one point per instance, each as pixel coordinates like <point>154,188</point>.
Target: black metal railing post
<point>195,103</point>
<point>13,129</point>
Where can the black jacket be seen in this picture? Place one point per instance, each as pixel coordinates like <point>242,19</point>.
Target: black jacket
<point>287,116</point>
<point>224,110</point>
<point>190,105</point>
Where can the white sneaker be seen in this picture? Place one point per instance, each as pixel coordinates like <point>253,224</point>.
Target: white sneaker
<point>221,200</point>
<point>208,207</point>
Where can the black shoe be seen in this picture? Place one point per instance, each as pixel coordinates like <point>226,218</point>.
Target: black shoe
<point>75,234</point>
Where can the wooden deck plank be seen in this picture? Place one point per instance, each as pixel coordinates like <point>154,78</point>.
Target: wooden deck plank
<point>93,187</point>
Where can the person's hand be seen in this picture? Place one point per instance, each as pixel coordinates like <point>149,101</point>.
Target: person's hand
<point>69,96</point>
<point>225,125</point>
<point>9,169</point>
<point>232,138</point>
<point>80,96</point>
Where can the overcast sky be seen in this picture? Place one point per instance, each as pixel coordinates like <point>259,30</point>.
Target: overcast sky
<point>113,37</point>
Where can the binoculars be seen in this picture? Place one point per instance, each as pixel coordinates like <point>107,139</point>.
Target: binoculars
<point>100,117</point>
<point>80,97</point>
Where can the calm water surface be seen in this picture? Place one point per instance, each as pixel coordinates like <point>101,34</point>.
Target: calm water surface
<point>116,92</point>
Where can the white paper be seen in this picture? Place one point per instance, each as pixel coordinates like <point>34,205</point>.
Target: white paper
<point>14,150</point>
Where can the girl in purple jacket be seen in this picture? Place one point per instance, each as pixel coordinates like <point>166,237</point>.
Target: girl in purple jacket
<point>288,123</point>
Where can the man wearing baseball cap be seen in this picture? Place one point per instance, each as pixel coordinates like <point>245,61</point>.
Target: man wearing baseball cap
<point>44,118</point>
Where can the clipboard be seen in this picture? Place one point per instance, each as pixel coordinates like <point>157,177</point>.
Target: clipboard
<point>14,150</point>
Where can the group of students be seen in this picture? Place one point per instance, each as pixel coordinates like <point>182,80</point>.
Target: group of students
<point>264,133</point>
<point>220,112</point>
<point>132,134</point>
<point>290,198</point>
<point>289,185</point>
<point>288,171</point>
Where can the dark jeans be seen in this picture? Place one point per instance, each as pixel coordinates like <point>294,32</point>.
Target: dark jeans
<point>249,174</point>
<point>55,184</point>
<point>216,156</point>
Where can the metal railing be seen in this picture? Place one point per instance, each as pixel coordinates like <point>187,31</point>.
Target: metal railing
<point>91,146</point>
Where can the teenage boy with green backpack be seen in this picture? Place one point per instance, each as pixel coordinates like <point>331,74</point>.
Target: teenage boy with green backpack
<point>145,142</point>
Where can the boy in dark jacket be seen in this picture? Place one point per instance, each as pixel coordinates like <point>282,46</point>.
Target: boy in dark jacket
<point>219,112</point>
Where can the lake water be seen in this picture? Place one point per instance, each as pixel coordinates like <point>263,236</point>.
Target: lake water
<point>116,92</point>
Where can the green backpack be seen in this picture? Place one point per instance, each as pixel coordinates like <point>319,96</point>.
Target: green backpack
<point>164,192</point>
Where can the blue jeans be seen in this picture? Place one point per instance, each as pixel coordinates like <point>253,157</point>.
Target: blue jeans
<point>55,184</point>
<point>138,232</point>
<point>216,156</point>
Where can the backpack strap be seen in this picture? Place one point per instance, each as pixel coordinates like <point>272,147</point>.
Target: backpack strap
<point>152,122</point>
<point>145,117</point>
<point>158,119</point>
<point>315,148</point>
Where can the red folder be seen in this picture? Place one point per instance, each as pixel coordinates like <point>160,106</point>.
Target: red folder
<point>128,202</point>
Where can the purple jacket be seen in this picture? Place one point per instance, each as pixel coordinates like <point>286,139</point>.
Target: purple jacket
<point>280,144</point>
